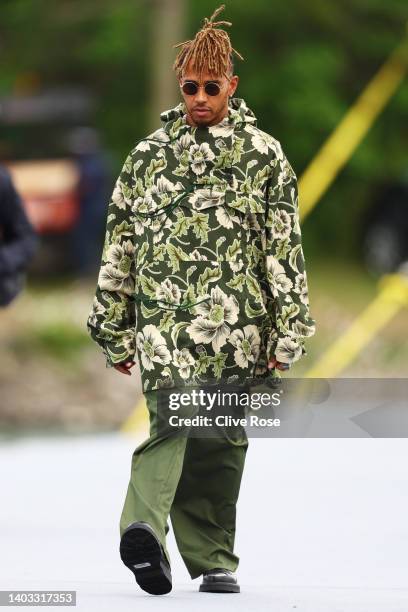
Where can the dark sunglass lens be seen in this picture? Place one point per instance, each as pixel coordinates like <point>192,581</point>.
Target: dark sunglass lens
<point>190,88</point>
<point>212,89</point>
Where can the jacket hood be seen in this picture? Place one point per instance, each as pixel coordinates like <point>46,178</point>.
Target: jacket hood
<point>238,116</point>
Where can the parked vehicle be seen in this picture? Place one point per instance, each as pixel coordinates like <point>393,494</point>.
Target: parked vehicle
<point>63,176</point>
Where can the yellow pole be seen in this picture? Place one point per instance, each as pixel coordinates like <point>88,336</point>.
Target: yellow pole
<point>392,297</point>
<point>339,147</point>
<point>137,419</point>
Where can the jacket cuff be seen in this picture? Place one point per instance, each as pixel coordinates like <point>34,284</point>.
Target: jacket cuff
<point>118,352</point>
<point>286,349</point>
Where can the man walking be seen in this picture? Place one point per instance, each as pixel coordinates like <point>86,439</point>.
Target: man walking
<point>202,280</point>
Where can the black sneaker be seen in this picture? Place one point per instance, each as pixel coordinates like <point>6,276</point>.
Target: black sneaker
<point>142,552</point>
<point>219,580</point>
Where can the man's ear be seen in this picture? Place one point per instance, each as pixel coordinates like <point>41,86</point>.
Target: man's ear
<point>233,84</point>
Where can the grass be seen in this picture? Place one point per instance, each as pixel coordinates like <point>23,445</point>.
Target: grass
<point>60,340</point>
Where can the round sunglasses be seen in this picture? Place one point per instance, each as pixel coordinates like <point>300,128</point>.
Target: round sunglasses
<point>190,88</point>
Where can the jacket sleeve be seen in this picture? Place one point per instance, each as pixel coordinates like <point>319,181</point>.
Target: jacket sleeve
<point>112,319</point>
<point>20,240</point>
<point>285,265</point>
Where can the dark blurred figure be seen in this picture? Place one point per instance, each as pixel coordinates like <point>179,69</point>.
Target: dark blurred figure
<point>94,189</point>
<point>384,227</point>
<point>18,240</point>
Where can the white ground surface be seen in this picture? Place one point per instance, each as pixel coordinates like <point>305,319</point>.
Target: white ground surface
<point>322,526</point>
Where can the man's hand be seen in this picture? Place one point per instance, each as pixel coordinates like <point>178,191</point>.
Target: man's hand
<point>125,367</point>
<point>274,363</point>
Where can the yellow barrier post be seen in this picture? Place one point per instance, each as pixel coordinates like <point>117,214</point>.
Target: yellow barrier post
<point>137,419</point>
<point>392,297</point>
<point>341,144</point>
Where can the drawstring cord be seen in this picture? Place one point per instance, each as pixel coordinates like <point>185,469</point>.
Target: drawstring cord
<point>183,305</point>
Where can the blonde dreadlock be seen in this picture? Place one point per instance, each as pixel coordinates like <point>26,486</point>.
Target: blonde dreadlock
<point>210,49</point>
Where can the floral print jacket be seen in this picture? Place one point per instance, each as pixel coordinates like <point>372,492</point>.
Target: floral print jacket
<point>202,275</point>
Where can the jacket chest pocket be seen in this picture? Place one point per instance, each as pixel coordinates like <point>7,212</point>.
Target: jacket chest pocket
<point>241,224</point>
<point>250,211</point>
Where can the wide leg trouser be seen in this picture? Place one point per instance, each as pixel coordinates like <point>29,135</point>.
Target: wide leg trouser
<point>194,480</point>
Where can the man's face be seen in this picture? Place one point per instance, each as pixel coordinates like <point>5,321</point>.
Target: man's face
<point>202,109</point>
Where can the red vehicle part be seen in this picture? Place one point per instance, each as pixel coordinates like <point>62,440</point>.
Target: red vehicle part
<point>49,190</point>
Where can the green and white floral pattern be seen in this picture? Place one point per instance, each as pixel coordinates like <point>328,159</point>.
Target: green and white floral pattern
<point>202,274</point>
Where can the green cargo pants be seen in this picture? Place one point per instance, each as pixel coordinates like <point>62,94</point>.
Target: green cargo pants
<point>194,480</point>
